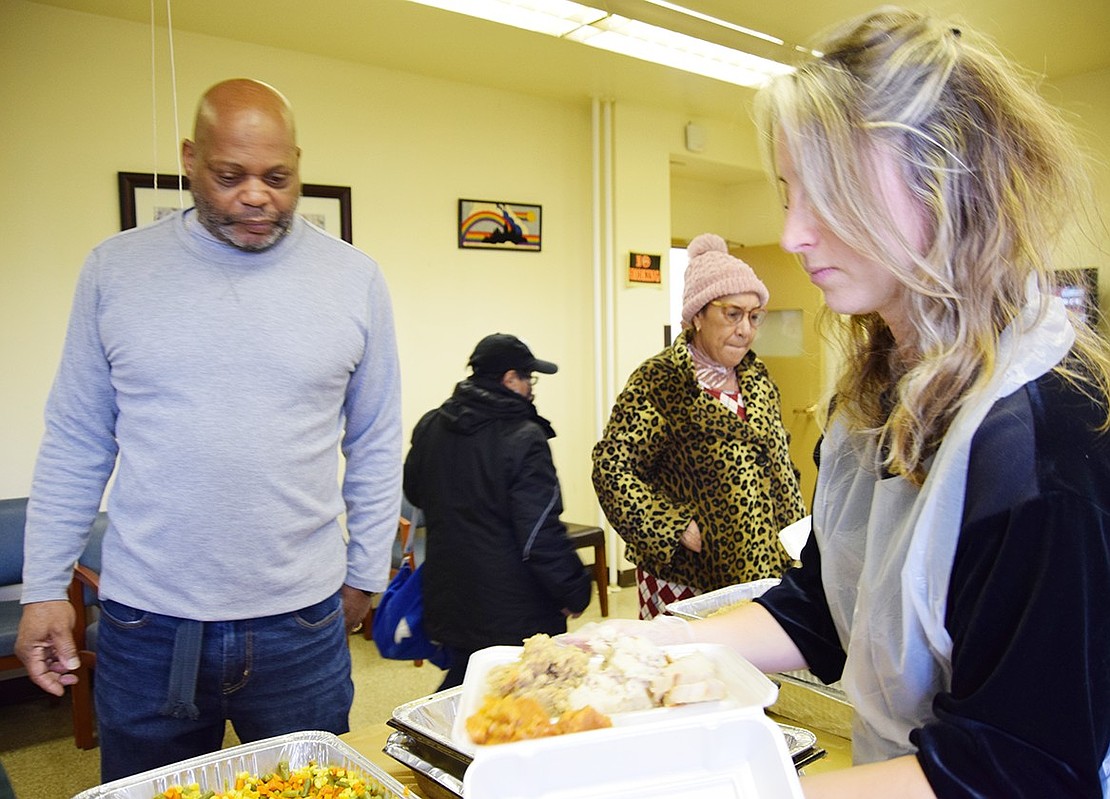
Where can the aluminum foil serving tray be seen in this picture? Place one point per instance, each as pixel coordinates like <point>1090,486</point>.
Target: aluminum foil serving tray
<point>216,771</point>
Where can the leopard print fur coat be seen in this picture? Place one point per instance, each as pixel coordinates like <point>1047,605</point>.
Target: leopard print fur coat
<point>671,453</point>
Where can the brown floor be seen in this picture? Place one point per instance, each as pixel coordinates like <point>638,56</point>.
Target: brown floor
<point>36,743</point>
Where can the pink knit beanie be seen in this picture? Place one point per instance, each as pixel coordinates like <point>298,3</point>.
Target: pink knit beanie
<point>712,273</point>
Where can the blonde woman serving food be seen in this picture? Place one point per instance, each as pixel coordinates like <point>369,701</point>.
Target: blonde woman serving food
<point>693,470</point>
<point>955,580</point>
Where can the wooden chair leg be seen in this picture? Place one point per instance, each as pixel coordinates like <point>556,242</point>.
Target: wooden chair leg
<point>84,723</point>
<point>601,577</point>
<point>582,535</point>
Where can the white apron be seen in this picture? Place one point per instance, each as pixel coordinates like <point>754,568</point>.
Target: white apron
<point>887,550</point>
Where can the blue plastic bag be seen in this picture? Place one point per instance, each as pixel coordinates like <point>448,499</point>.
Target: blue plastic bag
<point>398,628</point>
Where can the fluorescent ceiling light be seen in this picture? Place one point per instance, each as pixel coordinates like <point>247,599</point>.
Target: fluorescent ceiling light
<point>619,34</point>
<point>553,17</point>
<point>716,21</point>
<point>661,46</point>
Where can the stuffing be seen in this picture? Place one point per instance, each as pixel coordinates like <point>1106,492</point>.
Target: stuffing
<point>546,672</point>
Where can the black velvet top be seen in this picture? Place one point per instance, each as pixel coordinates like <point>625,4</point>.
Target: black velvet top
<point>1028,714</point>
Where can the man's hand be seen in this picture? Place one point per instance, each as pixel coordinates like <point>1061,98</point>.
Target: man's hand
<point>356,605</point>
<point>45,645</point>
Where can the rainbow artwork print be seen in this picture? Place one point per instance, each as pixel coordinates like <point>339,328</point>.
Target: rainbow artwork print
<point>498,225</point>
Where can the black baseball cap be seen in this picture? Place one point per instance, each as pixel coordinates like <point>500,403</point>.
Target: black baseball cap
<point>497,353</point>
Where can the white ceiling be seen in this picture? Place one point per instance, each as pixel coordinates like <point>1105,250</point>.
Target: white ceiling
<point>1052,37</point>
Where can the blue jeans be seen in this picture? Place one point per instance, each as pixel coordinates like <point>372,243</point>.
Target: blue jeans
<point>268,676</point>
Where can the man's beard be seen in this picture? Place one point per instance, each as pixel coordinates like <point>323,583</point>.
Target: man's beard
<point>222,226</point>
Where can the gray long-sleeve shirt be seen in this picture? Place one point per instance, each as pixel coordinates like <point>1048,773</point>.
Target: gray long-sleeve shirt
<point>225,381</point>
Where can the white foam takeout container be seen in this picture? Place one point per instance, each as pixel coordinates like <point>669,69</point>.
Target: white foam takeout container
<point>747,690</point>
<point>423,743</point>
<point>216,771</point>
<point>730,754</point>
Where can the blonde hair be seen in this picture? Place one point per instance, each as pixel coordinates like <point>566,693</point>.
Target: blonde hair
<point>995,171</point>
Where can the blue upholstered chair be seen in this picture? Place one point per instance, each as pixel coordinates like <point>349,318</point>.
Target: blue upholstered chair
<point>82,592</point>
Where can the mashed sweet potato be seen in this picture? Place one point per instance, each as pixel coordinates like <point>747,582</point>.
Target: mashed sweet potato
<point>510,718</point>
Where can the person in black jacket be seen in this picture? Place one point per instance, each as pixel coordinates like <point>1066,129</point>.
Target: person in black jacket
<point>499,566</point>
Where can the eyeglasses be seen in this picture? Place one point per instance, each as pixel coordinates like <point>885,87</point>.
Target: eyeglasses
<point>528,377</point>
<point>734,314</point>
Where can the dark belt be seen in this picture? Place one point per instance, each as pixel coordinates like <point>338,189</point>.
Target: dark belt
<point>185,664</point>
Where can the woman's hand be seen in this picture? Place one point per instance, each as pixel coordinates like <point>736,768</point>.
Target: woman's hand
<point>661,631</point>
<point>691,537</point>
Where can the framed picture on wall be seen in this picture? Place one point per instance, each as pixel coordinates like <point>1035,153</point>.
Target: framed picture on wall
<point>141,202</point>
<point>500,225</point>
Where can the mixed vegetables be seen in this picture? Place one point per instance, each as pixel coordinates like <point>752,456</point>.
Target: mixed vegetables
<point>311,781</point>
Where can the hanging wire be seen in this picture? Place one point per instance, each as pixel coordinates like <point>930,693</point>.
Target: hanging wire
<point>153,97</point>
<point>173,90</point>
<point>176,124</point>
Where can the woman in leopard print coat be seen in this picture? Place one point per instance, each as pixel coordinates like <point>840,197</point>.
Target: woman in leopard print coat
<point>693,469</point>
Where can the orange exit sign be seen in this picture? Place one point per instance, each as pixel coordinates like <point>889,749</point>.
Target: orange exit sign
<point>644,268</point>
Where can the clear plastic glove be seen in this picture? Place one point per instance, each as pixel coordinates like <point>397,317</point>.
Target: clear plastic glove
<point>661,631</point>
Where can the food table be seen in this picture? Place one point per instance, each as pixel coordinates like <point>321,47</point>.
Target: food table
<point>370,740</point>
<point>838,750</point>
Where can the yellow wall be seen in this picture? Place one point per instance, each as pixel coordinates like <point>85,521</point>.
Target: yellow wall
<point>76,94</point>
<point>1087,99</point>
<point>799,378</point>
